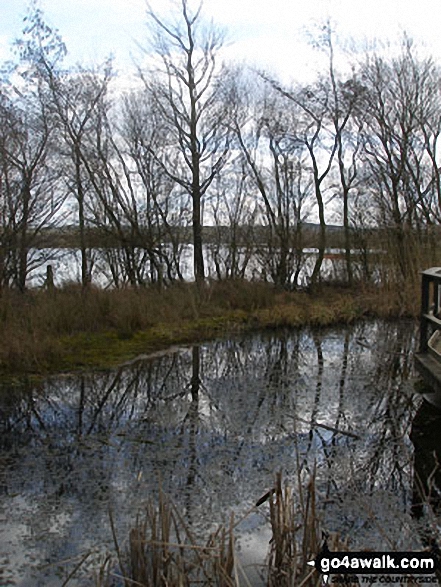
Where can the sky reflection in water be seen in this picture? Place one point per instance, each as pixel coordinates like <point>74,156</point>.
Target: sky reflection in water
<point>212,424</point>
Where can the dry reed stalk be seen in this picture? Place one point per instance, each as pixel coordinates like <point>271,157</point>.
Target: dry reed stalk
<point>297,535</point>
<point>102,576</point>
<point>162,552</point>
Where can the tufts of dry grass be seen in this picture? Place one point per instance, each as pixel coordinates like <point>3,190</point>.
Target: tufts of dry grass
<point>68,328</point>
<point>297,535</point>
<point>163,552</point>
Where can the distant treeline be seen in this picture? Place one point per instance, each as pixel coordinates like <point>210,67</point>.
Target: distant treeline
<point>70,236</point>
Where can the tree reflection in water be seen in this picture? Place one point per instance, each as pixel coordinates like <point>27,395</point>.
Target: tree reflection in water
<point>426,496</point>
<point>212,424</point>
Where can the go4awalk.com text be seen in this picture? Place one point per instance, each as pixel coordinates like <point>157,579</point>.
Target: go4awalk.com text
<point>382,568</point>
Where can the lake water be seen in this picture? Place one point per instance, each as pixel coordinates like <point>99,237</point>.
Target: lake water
<point>66,265</point>
<point>212,424</point>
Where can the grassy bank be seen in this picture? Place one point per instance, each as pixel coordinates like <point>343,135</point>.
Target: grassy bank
<point>68,329</point>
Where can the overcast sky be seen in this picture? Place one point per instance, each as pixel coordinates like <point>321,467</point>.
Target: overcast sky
<point>267,33</point>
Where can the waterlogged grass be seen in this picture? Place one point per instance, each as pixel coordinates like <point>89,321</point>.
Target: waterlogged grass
<point>69,329</point>
<point>108,348</point>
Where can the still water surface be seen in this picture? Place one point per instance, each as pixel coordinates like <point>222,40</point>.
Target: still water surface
<point>212,424</point>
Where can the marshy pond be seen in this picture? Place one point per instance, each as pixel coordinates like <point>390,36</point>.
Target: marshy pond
<point>212,425</point>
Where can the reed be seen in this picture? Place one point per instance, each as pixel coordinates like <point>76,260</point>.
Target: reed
<point>297,535</point>
<point>162,550</point>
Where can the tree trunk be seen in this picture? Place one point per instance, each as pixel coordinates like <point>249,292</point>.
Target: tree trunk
<point>347,232</point>
<point>199,270</point>
<point>198,257</point>
<point>23,241</point>
<point>315,277</point>
<point>85,278</point>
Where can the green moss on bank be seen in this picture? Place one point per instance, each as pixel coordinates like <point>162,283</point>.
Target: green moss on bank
<point>107,349</point>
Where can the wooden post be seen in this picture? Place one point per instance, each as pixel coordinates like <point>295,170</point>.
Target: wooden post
<point>425,291</point>
<point>428,360</point>
<point>436,297</point>
<point>49,278</point>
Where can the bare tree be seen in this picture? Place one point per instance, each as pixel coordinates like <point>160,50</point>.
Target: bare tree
<point>115,203</point>
<point>345,96</point>
<point>30,197</point>
<point>329,132</point>
<point>399,139</point>
<point>423,160</point>
<point>165,209</point>
<point>187,87</point>
<point>320,141</point>
<point>234,211</point>
<point>265,131</point>
<point>131,194</point>
<point>75,96</point>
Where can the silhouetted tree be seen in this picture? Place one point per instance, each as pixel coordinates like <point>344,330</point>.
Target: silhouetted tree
<point>30,196</point>
<point>187,87</point>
